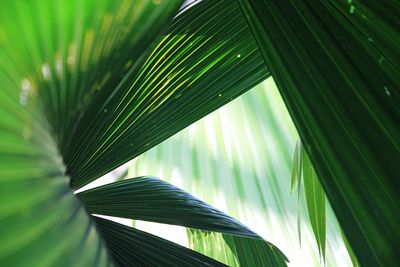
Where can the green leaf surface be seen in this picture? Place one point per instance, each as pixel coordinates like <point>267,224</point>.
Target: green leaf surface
<point>235,250</point>
<point>71,55</point>
<point>297,174</point>
<point>297,167</point>
<point>131,247</point>
<point>336,66</point>
<point>213,245</point>
<point>39,212</point>
<point>315,200</point>
<point>303,170</point>
<point>252,252</point>
<point>151,199</point>
<point>350,251</point>
<point>54,56</point>
<point>206,58</point>
<point>239,160</point>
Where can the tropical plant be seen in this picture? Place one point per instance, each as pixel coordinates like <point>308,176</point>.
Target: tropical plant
<point>242,155</point>
<point>88,85</point>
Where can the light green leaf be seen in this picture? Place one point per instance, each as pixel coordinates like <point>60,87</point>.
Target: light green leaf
<point>235,250</point>
<point>38,206</point>
<point>297,174</point>
<point>213,245</point>
<point>53,55</point>
<point>315,199</point>
<point>296,167</point>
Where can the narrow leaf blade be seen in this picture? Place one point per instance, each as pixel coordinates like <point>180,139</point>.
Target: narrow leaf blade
<point>315,200</point>
<point>206,58</point>
<point>131,247</point>
<point>151,199</point>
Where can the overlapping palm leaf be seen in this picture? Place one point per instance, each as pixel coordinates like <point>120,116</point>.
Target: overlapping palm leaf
<point>88,85</point>
<point>206,58</point>
<point>239,158</point>
<point>336,65</point>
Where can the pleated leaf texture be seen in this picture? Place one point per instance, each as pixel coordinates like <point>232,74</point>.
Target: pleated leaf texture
<point>86,86</point>
<point>336,64</point>
<point>151,199</point>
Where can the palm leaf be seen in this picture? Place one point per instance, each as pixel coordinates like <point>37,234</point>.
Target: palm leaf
<point>297,171</point>
<point>251,252</point>
<point>54,62</point>
<point>234,250</point>
<point>351,253</point>
<point>315,199</point>
<point>38,206</point>
<point>151,199</point>
<point>213,245</point>
<point>206,58</point>
<point>335,64</point>
<point>83,92</point>
<point>131,247</point>
<point>239,160</point>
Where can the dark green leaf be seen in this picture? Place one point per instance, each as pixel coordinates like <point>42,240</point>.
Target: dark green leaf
<point>350,251</point>
<point>131,247</point>
<point>336,66</point>
<point>297,174</point>
<point>151,199</point>
<point>205,59</point>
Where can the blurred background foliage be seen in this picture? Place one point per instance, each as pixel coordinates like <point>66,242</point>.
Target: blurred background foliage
<point>239,159</point>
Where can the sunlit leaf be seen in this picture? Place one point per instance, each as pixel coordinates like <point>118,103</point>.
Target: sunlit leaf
<point>296,167</point>
<point>213,245</point>
<point>206,58</point>
<point>239,160</point>
<point>315,199</point>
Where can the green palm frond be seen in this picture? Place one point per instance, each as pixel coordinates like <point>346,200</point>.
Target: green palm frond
<point>239,159</point>
<point>132,247</point>
<point>336,66</point>
<point>151,199</point>
<point>193,69</point>
<point>303,171</point>
<point>88,85</point>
